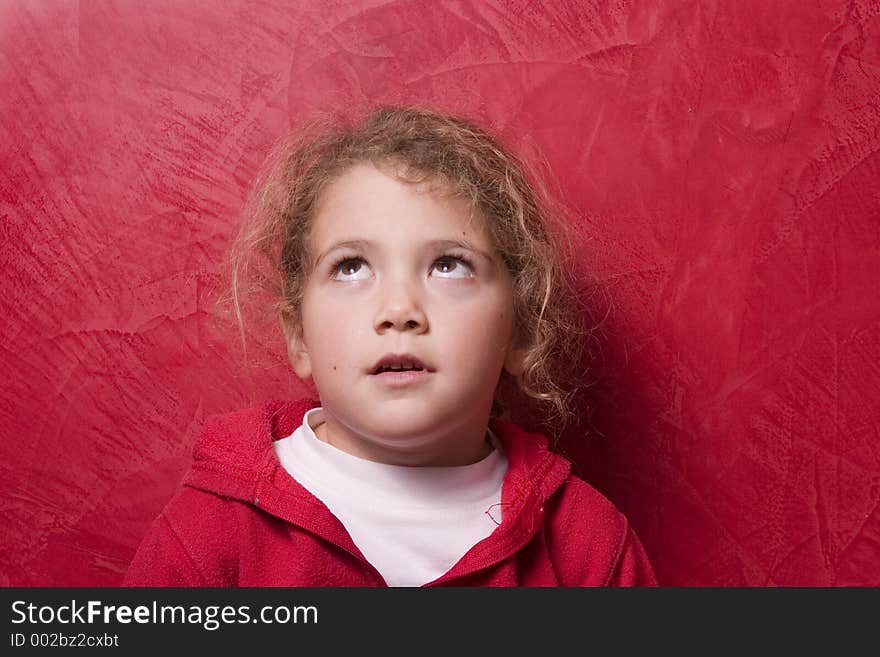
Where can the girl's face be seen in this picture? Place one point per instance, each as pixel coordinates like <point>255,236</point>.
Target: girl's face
<point>401,271</point>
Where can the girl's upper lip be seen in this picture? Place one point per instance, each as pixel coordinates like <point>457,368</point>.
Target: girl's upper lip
<point>399,359</point>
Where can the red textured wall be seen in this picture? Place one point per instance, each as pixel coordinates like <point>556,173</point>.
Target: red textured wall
<point>721,160</point>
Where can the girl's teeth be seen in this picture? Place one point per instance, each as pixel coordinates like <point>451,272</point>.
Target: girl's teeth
<point>399,367</point>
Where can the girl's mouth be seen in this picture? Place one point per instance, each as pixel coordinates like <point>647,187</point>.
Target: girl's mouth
<point>399,368</point>
<point>399,363</point>
<point>401,378</point>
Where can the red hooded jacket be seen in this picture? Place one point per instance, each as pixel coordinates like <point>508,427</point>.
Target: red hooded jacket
<point>241,520</point>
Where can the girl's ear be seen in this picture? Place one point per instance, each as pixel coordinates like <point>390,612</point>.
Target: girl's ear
<point>297,351</point>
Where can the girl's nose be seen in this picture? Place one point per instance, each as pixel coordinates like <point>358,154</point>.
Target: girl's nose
<point>400,309</point>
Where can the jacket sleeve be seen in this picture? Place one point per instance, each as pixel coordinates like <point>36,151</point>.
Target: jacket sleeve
<point>592,542</point>
<point>161,559</point>
<point>632,567</point>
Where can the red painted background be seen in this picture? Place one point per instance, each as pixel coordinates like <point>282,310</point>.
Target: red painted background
<point>721,163</point>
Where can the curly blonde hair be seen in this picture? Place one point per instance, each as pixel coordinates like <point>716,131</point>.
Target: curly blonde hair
<point>269,260</point>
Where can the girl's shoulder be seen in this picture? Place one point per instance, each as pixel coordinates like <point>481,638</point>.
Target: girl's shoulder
<point>593,539</point>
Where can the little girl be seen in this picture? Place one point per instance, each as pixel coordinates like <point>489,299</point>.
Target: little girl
<point>415,273</point>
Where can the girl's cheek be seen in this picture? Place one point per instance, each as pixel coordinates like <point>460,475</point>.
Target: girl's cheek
<point>462,288</point>
<point>340,293</point>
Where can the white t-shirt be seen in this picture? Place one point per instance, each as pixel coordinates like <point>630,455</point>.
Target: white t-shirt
<point>412,523</point>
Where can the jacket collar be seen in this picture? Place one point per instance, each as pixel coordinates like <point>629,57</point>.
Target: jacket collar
<point>234,457</point>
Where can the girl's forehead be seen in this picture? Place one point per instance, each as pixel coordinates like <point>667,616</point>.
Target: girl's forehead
<point>369,200</point>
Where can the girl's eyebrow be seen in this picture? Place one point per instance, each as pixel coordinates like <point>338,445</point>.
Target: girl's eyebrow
<point>363,245</point>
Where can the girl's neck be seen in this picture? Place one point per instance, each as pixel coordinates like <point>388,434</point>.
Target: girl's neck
<point>431,455</point>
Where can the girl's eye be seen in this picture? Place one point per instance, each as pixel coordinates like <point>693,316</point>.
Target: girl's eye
<point>356,269</point>
<point>452,267</point>
<point>350,269</point>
